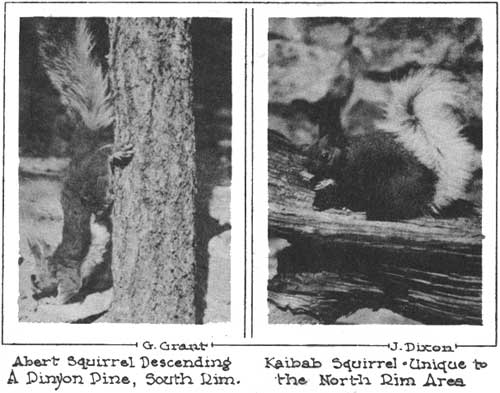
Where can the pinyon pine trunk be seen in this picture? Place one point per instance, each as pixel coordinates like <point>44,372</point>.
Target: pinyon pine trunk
<point>153,218</point>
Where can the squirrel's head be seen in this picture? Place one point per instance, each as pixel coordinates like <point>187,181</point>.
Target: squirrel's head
<point>324,158</point>
<point>43,280</point>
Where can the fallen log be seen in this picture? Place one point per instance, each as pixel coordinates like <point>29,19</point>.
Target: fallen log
<point>425,269</point>
<point>291,214</point>
<point>330,281</point>
<point>329,296</point>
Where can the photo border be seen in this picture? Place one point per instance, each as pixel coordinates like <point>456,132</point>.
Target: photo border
<point>461,335</point>
<point>252,274</point>
<point>105,334</point>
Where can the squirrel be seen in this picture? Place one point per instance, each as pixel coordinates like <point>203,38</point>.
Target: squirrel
<point>406,152</point>
<point>80,264</point>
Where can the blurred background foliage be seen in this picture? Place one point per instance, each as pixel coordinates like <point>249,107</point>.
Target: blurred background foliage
<point>304,54</point>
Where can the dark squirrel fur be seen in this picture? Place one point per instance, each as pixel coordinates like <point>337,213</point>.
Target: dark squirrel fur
<point>372,173</point>
<point>375,170</point>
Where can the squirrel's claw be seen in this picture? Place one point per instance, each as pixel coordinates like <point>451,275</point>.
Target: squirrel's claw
<point>122,157</point>
<point>323,184</point>
<point>434,210</point>
<point>305,175</point>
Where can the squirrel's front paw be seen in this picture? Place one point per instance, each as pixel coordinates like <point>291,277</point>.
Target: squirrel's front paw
<point>122,157</point>
<point>324,184</point>
<point>325,195</point>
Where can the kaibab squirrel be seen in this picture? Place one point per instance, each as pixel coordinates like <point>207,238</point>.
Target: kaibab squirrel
<point>404,152</point>
<point>81,262</point>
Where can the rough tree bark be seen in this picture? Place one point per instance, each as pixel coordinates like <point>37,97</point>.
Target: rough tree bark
<point>153,217</point>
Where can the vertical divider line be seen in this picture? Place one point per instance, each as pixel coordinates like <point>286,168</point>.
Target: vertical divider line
<point>496,185</point>
<point>3,164</point>
<point>251,175</point>
<point>245,91</point>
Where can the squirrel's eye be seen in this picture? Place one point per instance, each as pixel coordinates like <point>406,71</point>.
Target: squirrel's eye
<point>325,155</point>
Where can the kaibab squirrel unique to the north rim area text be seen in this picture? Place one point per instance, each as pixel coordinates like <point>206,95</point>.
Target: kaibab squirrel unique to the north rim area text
<point>413,152</point>
<point>81,262</point>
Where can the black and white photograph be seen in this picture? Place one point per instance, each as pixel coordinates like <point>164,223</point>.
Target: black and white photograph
<point>125,170</point>
<point>375,133</point>
<point>249,196</point>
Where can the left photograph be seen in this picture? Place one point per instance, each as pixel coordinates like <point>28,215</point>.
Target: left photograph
<point>124,170</point>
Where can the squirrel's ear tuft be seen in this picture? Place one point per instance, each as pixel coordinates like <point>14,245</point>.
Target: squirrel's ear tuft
<point>305,148</point>
<point>353,62</point>
<point>35,249</point>
<point>39,248</point>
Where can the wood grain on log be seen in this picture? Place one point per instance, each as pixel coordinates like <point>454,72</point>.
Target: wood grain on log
<point>426,269</point>
<point>328,296</point>
<point>291,214</point>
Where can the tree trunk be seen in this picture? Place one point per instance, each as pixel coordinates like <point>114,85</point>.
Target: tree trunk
<point>153,217</point>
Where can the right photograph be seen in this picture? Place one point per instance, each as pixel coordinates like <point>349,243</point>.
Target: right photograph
<point>375,171</point>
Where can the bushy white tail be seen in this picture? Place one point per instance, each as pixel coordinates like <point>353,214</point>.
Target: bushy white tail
<point>78,78</point>
<point>426,114</point>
